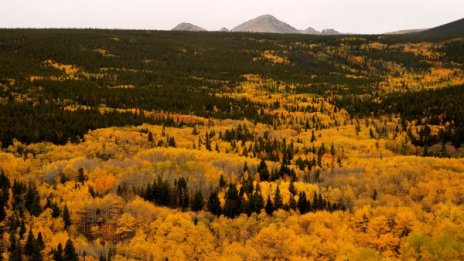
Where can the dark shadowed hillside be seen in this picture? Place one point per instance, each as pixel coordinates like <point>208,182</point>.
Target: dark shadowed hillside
<point>453,28</point>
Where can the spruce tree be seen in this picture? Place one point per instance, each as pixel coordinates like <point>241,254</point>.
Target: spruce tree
<point>263,171</point>
<point>278,203</point>
<point>4,194</point>
<point>57,254</point>
<point>30,244</point>
<point>214,204</point>
<point>197,203</point>
<point>291,188</point>
<point>302,203</point>
<point>32,200</point>
<point>232,202</point>
<point>269,206</point>
<point>66,217</point>
<point>70,252</point>
<point>40,242</point>
<point>222,181</point>
<point>14,250</point>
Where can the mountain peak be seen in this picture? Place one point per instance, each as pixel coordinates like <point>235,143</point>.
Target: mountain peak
<point>265,24</point>
<point>188,27</point>
<point>329,32</point>
<point>309,30</point>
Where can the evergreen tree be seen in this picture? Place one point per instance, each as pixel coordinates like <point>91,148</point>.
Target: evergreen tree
<point>15,248</point>
<point>36,253</point>
<point>222,181</point>
<point>256,202</point>
<point>70,252</point>
<point>197,203</point>
<point>4,194</point>
<point>278,203</point>
<point>291,188</point>
<point>263,171</point>
<point>39,242</point>
<point>292,203</point>
<point>302,204</point>
<point>182,193</point>
<point>4,181</point>
<point>232,205</point>
<point>57,254</point>
<point>214,204</point>
<point>30,244</point>
<point>150,137</point>
<point>66,217</point>
<point>32,200</point>
<point>269,206</point>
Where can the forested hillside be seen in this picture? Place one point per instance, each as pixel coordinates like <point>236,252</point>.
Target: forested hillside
<point>146,145</point>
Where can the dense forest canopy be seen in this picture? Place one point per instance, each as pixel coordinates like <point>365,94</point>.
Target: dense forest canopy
<point>150,145</point>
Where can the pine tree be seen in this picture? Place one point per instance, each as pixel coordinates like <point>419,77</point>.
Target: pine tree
<point>302,204</point>
<point>263,171</point>
<point>15,248</point>
<point>197,203</point>
<point>269,206</point>
<point>36,253</point>
<point>32,200</point>
<point>4,194</point>
<point>292,203</point>
<point>291,188</point>
<point>313,137</point>
<point>39,242</point>
<point>222,181</point>
<point>214,204</point>
<point>30,244</point>
<point>256,202</point>
<point>232,205</point>
<point>150,137</point>
<point>58,253</point>
<point>278,203</point>
<point>66,217</point>
<point>70,252</point>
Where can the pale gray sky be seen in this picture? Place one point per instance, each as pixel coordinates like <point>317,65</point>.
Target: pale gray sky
<point>354,16</point>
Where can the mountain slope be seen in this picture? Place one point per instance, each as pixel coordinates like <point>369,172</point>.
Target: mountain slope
<point>453,28</point>
<point>329,32</point>
<point>309,30</point>
<point>188,27</point>
<point>406,31</point>
<point>265,24</point>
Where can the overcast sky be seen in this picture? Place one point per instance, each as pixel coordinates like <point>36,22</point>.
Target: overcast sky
<point>353,16</point>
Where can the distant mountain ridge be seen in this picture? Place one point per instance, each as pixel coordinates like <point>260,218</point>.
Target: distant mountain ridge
<point>261,24</point>
<point>266,24</point>
<point>270,24</point>
<point>188,27</point>
<point>453,28</point>
<point>406,31</point>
